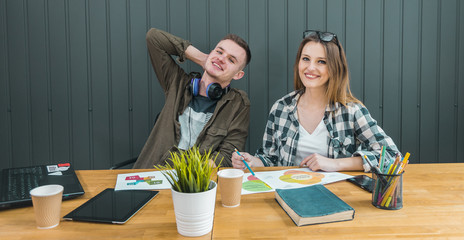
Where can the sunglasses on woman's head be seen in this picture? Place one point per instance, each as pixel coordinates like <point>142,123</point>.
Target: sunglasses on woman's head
<point>323,36</point>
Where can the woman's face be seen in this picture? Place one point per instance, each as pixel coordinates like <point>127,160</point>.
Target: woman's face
<point>312,66</point>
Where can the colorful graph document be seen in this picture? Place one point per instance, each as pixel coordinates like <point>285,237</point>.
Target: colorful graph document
<point>268,181</point>
<point>142,181</point>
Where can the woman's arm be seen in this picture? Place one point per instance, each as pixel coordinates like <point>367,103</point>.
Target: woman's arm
<point>316,162</point>
<point>372,138</point>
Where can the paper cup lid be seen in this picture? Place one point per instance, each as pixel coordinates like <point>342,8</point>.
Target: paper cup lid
<point>46,190</point>
<point>230,173</point>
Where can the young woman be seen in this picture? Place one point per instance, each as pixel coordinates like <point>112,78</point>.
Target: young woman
<point>320,125</point>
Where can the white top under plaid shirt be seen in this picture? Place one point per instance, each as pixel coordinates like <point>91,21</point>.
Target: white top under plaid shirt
<point>352,132</point>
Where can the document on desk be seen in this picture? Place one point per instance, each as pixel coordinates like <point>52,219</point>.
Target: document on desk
<point>268,181</point>
<point>142,181</point>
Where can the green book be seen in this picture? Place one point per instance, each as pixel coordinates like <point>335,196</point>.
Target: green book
<point>313,205</point>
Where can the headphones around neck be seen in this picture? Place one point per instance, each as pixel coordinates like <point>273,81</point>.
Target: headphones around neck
<point>214,91</point>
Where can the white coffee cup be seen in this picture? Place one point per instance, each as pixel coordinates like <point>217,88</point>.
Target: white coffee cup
<point>230,186</point>
<point>47,205</point>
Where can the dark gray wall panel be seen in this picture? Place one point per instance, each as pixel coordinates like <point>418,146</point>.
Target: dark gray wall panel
<point>178,22</point>
<point>19,83</point>
<point>120,82</point>
<point>373,59</point>
<point>139,88</point>
<point>218,16</point>
<point>410,95</point>
<point>59,79</point>
<point>392,69</point>
<point>336,18</point>
<point>429,82</point>
<point>5,110</point>
<point>100,81</point>
<point>77,85</point>
<point>460,89</point>
<point>159,16</point>
<point>259,71</point>
<point>448,58</point>
<point>297,20</point>
<point>277,39</point>
<point>354,45</point>
<point>316,14</point>
<point>238,12</point>
<point>199,32</point>
<point>38,73</point>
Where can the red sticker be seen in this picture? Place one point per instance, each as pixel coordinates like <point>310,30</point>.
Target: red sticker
<point>64,165</point>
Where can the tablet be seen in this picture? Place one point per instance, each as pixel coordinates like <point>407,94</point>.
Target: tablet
<point>111,206</point>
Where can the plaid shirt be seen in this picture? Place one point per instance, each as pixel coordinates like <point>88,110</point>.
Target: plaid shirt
<point>352,132</point>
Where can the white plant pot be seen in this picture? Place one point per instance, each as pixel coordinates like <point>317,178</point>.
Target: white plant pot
<point>194,211</point>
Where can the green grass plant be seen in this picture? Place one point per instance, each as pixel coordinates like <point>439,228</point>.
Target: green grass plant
<point>191,170</point>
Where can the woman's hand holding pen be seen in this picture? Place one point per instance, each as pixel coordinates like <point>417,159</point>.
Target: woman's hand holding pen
<point>251,160</point>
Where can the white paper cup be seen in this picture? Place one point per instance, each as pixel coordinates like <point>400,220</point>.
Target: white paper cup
<point>47,205</point>
<point>230,187</point>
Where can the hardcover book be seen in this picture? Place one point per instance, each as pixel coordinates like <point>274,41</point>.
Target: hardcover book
<point>313,205</point>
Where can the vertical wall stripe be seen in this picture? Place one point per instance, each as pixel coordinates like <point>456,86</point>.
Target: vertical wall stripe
<point>267,34</point>
<point>289,89</point>
<point>89,84</point>
<point>227,5</point>
<point>419,76</point>
<point>49,84</point>
<point>149,71</point>
<point>7,90</point>
<point>188,35</point>
<point>344,20</point>
<point>109,68</point>
<point>382,58</point>
<point>208,29</point>
<point>306,4</point>
<point>326,15</point>
<point>28,82</point>
<point>168,15</point>
<point>437,90</point>
<point>456,77</point>
<point>400,72</point>
<point>130,80</point>
<point>69,85</point>
<point>363,49</point>
<point>249,72</point>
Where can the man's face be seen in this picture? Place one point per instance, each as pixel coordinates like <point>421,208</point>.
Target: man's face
<point>226,61</point>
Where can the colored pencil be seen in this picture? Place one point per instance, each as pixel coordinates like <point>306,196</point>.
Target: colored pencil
<point>243,160</point>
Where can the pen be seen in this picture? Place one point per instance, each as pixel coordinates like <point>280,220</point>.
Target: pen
<point>246,164</point>
<point>376,171</point>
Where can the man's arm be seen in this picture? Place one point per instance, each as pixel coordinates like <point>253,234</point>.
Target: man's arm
<point>161,45</point>
<point>196,56</point>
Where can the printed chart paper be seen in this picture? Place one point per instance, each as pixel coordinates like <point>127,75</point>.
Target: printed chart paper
<point>142,181</point>
<point>252,184</point>
<point>268,181</point>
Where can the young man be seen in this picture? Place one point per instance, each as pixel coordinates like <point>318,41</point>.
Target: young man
<point>200,111</point>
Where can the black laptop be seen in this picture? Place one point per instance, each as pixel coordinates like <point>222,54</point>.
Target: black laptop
<point>15,183</point>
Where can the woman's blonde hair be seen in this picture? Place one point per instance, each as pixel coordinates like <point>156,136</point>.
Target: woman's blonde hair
<point>338,86</point>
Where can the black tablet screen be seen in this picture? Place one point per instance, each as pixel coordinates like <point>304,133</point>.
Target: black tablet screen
<point>111,206</point>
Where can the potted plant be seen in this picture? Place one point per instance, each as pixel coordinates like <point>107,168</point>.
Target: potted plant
<point>193,191</point>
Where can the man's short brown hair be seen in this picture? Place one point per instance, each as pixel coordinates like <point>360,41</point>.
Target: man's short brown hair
<point>242,43</point>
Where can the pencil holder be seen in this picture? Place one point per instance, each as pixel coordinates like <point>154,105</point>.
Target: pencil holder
<point>388,191</point>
